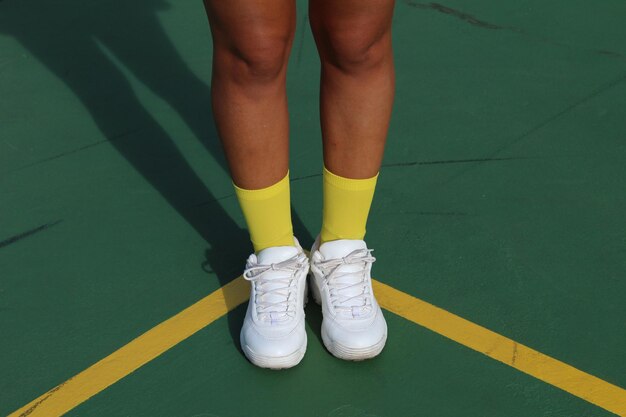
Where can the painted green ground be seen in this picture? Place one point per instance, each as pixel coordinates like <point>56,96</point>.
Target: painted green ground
<point>502,200</point>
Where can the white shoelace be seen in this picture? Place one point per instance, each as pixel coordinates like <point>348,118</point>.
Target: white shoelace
<point>349,290</point>
<point>280,289</point>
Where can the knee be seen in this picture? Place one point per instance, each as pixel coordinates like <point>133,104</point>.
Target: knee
<point>261,60</point>
<point>355,51</point>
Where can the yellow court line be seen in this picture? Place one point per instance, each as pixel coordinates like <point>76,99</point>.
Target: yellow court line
<point>164,336</point>
<point>588,387</point>
<point>62,398</point>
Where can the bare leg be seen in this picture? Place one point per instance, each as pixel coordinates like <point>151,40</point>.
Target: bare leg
<point>353,39</point>
<point>251,44</point>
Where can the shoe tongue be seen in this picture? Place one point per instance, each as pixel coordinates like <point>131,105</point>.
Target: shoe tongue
<point>340,248</point>
<point>275,254</point>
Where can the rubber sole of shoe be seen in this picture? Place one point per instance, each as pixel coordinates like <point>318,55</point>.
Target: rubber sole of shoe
<point>276,363</point>
<point>337,349</point>
<point>353,354</point>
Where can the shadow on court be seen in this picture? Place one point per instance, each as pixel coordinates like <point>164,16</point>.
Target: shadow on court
<point>74,40</point>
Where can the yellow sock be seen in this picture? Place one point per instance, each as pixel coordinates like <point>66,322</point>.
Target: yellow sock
<point>268,214</point>
<point>346,206</point>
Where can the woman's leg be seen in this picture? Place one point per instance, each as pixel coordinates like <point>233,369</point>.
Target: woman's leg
<point>357,87</point>
<point>251,45</point>
<point>354,42</point>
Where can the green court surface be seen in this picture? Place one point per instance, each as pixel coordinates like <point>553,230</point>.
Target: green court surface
<point>502,200</point>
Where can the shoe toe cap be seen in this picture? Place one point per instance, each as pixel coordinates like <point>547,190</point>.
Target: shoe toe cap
<point>355,335</point>
<point>272,343</point>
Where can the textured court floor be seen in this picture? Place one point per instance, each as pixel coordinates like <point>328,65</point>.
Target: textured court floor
<point>501,200</point>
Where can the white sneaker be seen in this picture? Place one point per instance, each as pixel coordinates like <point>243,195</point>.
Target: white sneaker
<point>273,334</point>
<point>353,327</point>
